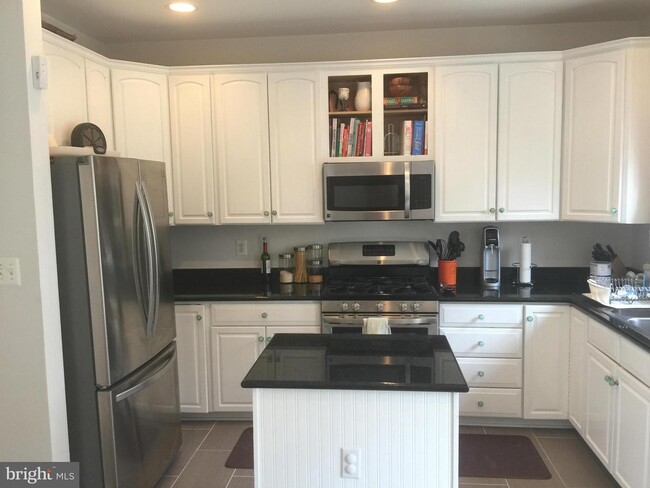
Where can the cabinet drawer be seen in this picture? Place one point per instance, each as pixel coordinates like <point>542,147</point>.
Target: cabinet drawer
<point>491,402</point>
<point>604,338</point>
<point>481,315</point>
<point>496,373</point>
<point>636,360</point>
<point>484,342</point>
<point>256,313</point>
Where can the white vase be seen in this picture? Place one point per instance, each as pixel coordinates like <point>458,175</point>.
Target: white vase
<point>362,100</point>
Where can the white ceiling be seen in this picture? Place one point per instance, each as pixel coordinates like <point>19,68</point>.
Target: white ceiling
<point>112,21</point>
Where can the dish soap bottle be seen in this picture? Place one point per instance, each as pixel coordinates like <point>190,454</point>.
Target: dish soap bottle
<point>266,261</point>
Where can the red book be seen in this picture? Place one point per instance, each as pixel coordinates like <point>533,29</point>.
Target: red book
<point>367,149</point>
<point>346,137</point>
<point>358,149</point>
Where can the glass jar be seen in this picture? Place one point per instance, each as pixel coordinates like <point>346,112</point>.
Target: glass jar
<point>315,253</point>
<point>315,271</point>
<point>300,265</point>
<point>286,267</point>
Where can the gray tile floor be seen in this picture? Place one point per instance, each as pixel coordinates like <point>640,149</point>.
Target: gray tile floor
<point>207,444</point>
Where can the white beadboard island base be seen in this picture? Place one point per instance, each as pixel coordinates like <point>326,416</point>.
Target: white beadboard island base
<point>406,439</point>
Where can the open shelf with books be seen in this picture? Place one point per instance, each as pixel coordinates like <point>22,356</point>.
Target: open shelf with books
<point>350,116</point>
<point>405,105</point>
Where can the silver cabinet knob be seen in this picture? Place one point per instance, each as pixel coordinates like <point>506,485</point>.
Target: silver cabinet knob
<point>260,339</point>
<point>481,343</point>
<point>264,315</point>
<point>611,381</point>
<point>614,210</point>
<point>274,212</point>
<point>502,210</point>
<point>481,317</point>
<point>530,318</point>
<point>210,214</point>
<point>480,403</point>
<point>266,213</point>
<point>481,374</point>
<point>268,338</point>
<point>493,210</point>
<point>171,214</point>
<point>199,317</point>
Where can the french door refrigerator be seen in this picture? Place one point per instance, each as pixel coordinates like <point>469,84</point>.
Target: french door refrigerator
<point>117,318</point>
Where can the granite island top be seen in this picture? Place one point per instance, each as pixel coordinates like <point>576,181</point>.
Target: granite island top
<point>357,362</point>
<point>551,285</point>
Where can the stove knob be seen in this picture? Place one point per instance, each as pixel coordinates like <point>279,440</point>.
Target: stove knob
<point>403,307</point>
<point>380,307</point>
<point>415,307</point>
<point>344,307</point>
<point>356,307</point>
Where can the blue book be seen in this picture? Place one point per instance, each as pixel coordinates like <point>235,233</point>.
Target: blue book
<point>418,138</point>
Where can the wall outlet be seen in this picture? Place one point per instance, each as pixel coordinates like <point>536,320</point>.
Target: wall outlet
<point>350,463</point>
<point>9,271</point>
<point>241,248</point>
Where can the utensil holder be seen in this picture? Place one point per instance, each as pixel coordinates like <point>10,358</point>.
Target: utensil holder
<point>447,273</point>
<point>518,282</point>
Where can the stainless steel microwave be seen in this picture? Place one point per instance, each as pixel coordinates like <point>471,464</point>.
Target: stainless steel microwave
<point>378,190</point>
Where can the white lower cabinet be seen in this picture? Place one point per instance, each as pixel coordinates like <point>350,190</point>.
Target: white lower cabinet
<point>546,361</point>
<point>239,333</point>
<point>191,343</point>
<point>487,341</point>
<point>617,409</point>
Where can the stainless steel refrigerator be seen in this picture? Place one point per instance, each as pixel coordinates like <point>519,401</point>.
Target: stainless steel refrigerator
<point>117,318</point>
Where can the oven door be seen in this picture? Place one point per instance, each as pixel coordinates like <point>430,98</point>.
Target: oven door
<point>399,324</point>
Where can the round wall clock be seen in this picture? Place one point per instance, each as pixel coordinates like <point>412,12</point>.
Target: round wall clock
<point>88,134</point>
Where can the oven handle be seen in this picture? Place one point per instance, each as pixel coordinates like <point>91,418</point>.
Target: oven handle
<point>391,322</point>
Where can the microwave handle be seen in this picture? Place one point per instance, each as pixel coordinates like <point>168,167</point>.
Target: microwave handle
<point>407,189</point>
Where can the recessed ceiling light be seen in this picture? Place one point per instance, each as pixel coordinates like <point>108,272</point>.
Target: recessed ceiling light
<point>182,7</point>
<point>384,1</point>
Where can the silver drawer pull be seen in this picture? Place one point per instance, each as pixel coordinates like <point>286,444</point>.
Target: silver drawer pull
<point>481,317</point>
<point>260,339</point>
<point>264,315</point>
<point>481,374</point>
<point>480,403</point>
<point>481,343</point>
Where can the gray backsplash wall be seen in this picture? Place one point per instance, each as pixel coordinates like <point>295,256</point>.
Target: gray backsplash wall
<point>553,243</point>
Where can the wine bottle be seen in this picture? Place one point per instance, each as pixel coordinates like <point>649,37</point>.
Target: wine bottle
<point>266,260</point>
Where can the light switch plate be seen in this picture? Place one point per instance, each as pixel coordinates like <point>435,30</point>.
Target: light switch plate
<point>242,248</point>
<point>9,271</point>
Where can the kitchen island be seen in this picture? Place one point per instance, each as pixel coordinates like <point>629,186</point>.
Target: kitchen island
<point>379,410</point>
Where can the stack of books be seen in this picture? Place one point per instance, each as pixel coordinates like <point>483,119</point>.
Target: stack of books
<point>404,103</point>
<point>414,137</point>
<point>351,138</point>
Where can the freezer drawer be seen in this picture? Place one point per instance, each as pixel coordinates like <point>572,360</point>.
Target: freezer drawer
<point>140,424</point>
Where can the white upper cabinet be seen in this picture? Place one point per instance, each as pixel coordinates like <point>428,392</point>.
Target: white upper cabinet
<point>294,112</point>
<point>98,95</point>
<point>466,142</point>
<point>242,142</point>
<point>141,113</point>
<point>192,153</point>
<point>606,150</point>
<point>530,134</point>
<point>66,93</point>
<point>267,147</point>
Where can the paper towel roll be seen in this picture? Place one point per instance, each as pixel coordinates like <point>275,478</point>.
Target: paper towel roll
<point>525,261</point>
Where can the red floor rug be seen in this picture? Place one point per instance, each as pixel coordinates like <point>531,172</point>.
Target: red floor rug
<point>481,456</point>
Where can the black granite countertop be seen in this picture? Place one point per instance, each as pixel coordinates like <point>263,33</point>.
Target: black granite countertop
<point>551,285</point>
<point>357,362</point>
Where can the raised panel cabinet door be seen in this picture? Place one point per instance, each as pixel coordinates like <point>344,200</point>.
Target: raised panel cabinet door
<point>530,141</point>
<point>632,432</point>
<point>600,404</point>
<point>466,142</point>
<point>242,145</point>
<point>66,92</point>
<point>192,155</point>
<point>546,361</point>
<point>191,343</point>
<point>98,95</point>
<point>141,119</point>
<point>593,125</point>
<point>577,369</point>
<point>234,350</point>
<point>294,112</point>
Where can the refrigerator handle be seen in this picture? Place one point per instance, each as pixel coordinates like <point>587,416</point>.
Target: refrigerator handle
<point>149,380</point>
<point>155,264</point>
<point>151,272</point>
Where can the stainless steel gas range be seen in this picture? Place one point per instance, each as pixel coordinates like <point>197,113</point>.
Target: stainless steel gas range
<point>379,279</point>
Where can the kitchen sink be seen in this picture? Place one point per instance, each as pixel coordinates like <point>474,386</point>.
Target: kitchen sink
<point>634,317</point>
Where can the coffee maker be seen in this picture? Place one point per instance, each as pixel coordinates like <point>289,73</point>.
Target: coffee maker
<point>491,259</point>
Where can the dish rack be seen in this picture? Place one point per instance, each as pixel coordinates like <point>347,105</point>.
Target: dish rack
<point>624,291</point>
